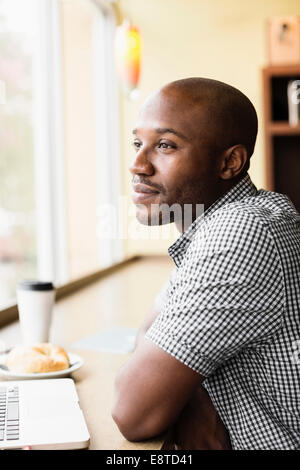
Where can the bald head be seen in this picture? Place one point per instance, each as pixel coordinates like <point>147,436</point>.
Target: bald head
<point>226,116</point>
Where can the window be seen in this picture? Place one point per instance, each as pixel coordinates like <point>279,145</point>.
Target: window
<point>17,193</point>
<point>58,113</point>
<point>91,139</point>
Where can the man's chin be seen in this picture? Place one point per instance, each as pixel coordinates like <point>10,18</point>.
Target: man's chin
<point>152,218</point>
<point>145,219</point>
<point>145,215</point>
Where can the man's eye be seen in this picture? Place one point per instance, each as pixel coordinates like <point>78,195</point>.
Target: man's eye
<point>136,144</point>
<point>164,145</point>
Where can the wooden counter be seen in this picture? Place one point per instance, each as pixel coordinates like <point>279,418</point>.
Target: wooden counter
<point>121,299</point>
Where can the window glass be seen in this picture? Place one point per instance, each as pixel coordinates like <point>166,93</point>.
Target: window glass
<point>17,207</point>
<point>58,141</point>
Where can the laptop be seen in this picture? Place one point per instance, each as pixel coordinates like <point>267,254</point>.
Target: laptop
<point>41,414</point>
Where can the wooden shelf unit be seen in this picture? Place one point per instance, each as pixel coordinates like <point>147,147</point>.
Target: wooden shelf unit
<point>282,128</point>
<point>282,141</point>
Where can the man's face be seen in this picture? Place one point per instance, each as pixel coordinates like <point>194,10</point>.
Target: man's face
<point>173,163</point>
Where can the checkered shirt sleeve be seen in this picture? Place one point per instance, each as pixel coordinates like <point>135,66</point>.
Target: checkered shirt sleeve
<point>228,293</point>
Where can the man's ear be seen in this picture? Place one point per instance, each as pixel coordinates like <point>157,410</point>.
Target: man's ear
<point>233,161</point>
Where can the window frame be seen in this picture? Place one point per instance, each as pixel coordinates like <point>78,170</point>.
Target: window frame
<point>107,118</point>
<point>52,263</point>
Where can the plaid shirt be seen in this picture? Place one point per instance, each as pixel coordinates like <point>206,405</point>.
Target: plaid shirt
<point>231,312</point>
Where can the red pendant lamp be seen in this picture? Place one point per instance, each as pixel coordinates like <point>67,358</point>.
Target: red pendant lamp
<point>128,57</point>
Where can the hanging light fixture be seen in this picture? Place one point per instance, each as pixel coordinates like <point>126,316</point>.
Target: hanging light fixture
<point>128,57</point>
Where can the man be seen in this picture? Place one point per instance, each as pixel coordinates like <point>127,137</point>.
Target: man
<point>229,323</point>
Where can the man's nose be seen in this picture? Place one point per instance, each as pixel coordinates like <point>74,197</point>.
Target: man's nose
<point>141,164</point>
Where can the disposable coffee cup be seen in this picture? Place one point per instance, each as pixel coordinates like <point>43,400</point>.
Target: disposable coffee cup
<point>35,303</point>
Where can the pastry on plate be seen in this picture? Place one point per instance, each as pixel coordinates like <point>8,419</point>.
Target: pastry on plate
<point>38,358</point>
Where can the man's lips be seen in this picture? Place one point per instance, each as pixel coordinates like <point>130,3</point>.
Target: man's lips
<point>142,192</point>
<point>143,188</point>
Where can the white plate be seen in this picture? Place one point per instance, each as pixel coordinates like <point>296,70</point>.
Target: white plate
<point>75,361</point>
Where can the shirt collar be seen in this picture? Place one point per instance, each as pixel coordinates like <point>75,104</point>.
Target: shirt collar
<point>244,188</point>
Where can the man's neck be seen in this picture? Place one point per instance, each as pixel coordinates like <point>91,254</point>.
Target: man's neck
<point>190,214</point>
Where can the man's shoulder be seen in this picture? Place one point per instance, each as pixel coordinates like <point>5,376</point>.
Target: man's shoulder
<point>269,201</point>
<point>266,208</point>
<point>253,219</point>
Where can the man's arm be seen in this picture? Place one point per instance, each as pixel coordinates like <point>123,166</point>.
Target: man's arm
<point>196,424</point>
<point>151,390</point>
<point>153,387</point>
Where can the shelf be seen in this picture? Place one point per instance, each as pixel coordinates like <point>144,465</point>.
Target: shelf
<point>281,70</point>
<point>282,128</point>
<point>282,140</point>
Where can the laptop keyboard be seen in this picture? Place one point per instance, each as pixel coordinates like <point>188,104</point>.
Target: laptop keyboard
<point>9,413</point>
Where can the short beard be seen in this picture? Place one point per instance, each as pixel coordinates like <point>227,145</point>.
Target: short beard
<point>187,206</point>
<point>161,214</point>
